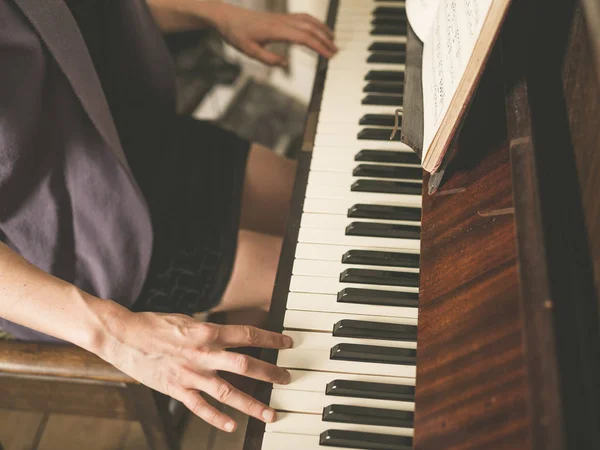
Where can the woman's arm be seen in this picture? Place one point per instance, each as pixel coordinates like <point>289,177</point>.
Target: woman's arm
<point>171,353</point>
<point>37,300</point>
<point>248,31</point>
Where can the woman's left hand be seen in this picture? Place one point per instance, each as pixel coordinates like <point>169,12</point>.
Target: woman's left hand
<point>249,31</point>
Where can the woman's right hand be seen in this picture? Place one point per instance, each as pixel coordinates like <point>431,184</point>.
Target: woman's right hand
<point>180,357</point>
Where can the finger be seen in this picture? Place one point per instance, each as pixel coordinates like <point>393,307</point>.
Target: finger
<point>249,367</point>
<point>265,56</point>
<point>319,32</point>
<point>225,393</point>
<point>292,34</point>
<point>316,22</point>
<point>248,336</point>
<point>200,407</point>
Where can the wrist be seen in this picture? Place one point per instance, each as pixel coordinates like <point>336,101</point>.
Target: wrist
<point>212,13</point>
<point>105,323</point>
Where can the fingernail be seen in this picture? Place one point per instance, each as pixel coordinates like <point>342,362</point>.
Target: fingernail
<point>288,342</point>
<point>229,426</point>
<point>268,415</point>
<point>287,378</point>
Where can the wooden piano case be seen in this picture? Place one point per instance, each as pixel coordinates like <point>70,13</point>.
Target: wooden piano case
<point>508,339</point>
<point>508,343</point>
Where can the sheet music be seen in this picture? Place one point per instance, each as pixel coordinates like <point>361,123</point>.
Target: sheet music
<point>420,14</point>
<point>446,51</point>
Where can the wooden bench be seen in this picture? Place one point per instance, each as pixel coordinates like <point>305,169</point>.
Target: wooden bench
<point>66,379</point>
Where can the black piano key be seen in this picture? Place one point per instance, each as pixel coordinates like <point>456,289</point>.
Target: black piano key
<point>377,297</point>
<point>383,87</point>
<point>387,230</point>
<point>384,212</point>
<point>387,187</point>
<point>377,171</point>
<point>388,30</point>
<point>395,76</point>
<point>380,277</point>
<point>365,389</point>
<point>387,58</point>
<point>364,329</point>
<point>387,156</point>
<point>376,134</point>
<point>383,100</point>
<point>383,120</point>
<point>389,11</point>
<point>357,439</point>
<point>389,20</point>
<point>387,47</point>
<point>375,258</point>
<point>374,354</point>
<point>368,416</point>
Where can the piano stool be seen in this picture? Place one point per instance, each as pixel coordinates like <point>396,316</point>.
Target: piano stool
<point>64,379</point>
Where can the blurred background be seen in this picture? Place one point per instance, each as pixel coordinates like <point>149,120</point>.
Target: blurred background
<point>263,104</point>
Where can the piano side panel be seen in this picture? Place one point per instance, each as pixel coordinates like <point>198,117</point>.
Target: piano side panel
<point>581,84</point>
<point>471,390</point>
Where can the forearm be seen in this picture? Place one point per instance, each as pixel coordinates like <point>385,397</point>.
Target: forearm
<point>181,15</point>
<point>37,300</point>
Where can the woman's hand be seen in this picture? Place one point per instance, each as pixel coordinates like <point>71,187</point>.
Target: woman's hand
<point>249,31</point>
<point>180,356</point>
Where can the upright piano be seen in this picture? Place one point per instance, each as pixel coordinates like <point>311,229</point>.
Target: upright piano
<point>457,316</point>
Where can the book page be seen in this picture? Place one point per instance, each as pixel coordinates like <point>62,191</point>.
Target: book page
<point>420,15</point>
<point>446,53</point>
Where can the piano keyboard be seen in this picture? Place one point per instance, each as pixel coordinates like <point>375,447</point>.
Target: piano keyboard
<point>352,305</point>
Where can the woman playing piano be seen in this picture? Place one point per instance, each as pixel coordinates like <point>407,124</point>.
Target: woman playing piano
<point>118,219</point>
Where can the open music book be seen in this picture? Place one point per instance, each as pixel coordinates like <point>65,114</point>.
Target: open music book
<point>457,36</point>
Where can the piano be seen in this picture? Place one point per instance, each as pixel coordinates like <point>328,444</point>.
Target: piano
<point>466,318</point>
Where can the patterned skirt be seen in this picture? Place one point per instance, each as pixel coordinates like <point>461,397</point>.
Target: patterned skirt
<point>193,187</point>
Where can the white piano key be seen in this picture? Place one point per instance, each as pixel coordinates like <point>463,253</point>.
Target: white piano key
<point>322,285</point>
<point>306,380</point>
<point>347,33</point>
<point>308,340</point>
<point>351,76</point>
<point>351,54</point>
<point>319,360</point>
<point>330,252</point>
<point>340,206</point>
<point>323,321</point>
<point>346,65</point>
<point>356,41</point>
<point>300,301</point>
<point>368,5</point>
<point>313,424</point>
<point>339,221</point>
<point>346,154</point>
<point>333,269</point>
<point>285,441</point>
<point>314,402</point>
<point>337,237</point>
